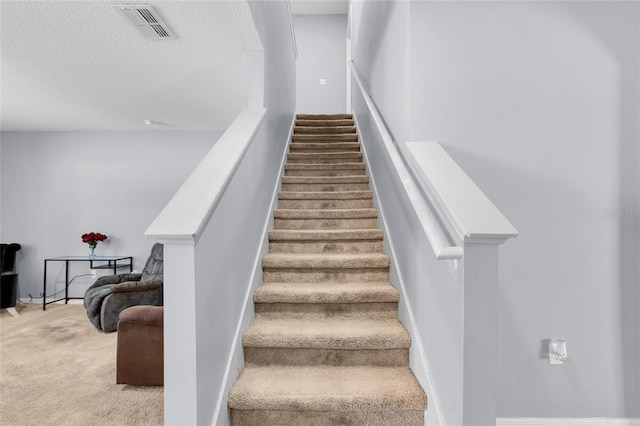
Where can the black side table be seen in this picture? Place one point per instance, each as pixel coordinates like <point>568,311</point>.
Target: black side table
<point>112,262</point>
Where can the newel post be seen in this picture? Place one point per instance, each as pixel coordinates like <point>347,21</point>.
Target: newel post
<point>480,332</point>
<point>180,344</point>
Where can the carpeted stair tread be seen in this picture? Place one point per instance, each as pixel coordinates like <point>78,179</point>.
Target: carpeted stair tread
<point>323,157</point>
<point>325,179</point>
<point>324,195</point>
<point>324,116</point>
<point>319,130</point>
<point>325,138</point>
<point>323,146</point>
<point>325,235</point>
<point>325,261</point>
<point>325,214</point>
<point>327,388</point>
<point>325,123</point>
<point>325,240</point>
<point>326,333</point>
<point>349,292</point>
<point>335,166</point>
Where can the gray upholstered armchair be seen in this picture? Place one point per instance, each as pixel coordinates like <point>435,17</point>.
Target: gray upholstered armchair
<point>111,294</point>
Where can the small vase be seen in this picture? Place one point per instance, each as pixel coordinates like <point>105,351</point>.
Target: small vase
<point>92,252</point>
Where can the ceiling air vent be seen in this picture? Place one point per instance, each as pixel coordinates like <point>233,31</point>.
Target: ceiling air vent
<point>146,21</point>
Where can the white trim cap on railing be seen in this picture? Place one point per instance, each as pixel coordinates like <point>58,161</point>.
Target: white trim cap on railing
<point>185,216</point>
<point>475,218</point>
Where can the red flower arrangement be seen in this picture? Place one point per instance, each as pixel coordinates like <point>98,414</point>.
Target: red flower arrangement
<point>92,238</point>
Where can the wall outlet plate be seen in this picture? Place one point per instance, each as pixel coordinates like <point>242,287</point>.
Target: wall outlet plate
<point>557,352</point>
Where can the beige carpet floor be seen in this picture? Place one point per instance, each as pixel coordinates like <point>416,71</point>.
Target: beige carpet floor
<point>57,369</point>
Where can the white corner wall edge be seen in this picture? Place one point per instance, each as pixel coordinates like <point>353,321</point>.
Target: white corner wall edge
<point>433,415</point>
<point>588,421</point>
<point>185,216</point>
<point>235,352</point>
<point>473,215</point>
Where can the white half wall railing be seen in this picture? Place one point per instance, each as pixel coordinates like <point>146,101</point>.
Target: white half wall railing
<point>212,231</point>
<point>450,308</point>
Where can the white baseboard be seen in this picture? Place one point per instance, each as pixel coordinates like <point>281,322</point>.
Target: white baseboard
<point>548,421</point>
<point>235,362</point>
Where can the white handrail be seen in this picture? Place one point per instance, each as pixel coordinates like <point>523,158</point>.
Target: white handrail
<point>293,30</point>
<point>474,217</point>
<point>185,216</point>
<point>440,242</point>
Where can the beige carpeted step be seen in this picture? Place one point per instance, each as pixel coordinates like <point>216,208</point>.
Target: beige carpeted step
<point>324,116</point>
<point>325,261</point>
<point>349,292</point>
<point>330,200</point>
<point>325,183</point>
<point>336,169</point>
<point>325,123</point>
<point>338,341</point>
<point>325,219</point>
<point>327,333</point>
<point>320,130</point>
<point>324,158</point>
<point>334,204</point>
<point>324,147</point>
<point>326,241</point>
<point>325,395</point>
<point>341,122</point>
<point>348,267</point>
<point>325,138</point>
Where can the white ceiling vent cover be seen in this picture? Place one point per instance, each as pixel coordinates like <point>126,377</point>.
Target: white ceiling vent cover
<point>146,21</point>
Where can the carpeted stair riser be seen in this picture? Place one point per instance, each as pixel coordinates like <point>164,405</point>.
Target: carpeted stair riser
<point>347,292</point>
<point>324,138</point>
<point>325,219</point>
<point>325,246</point>
<point>308,130</point>
<point>326,357</point>
<point>343,195</point>
<point>327,172</point>
<point>361,203</point>
<point>305,241</point>
<point>324,123</point>
<point>327,180</point>
<point>325,223</point>
<point>315,187</point>
<point>326,417</point>
<point>332,275</point>
<point>327,310</point>
<point>311,147</point>
<point>320,117</point>
<point>326,346</point>
<point>324,158</point>
<point>341,169</point>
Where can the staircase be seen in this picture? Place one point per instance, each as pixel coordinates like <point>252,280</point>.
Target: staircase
<point>326,347</point>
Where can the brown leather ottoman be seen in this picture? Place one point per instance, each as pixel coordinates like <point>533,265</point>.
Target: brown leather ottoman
<point>140,356</point>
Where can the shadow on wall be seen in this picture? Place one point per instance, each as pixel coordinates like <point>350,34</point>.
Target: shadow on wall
<point>627,212</point>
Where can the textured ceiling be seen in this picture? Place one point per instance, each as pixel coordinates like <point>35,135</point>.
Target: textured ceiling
<point>78,65</point>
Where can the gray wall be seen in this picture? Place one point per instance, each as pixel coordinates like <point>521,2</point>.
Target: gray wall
<point>58,186</point>
<point>322,54</point>
<point>538,102</point>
